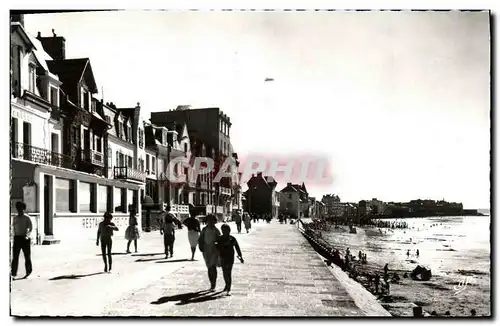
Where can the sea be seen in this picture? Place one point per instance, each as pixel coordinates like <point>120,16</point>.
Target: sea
<point>457,249</point>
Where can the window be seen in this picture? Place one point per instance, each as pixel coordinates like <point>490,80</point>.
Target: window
<point>54,142</point>
<point>32,78</point>
<point>118,196</point>
<point>102,200</point>
<point>117,158</point>
<point>129,161</point>
<point>141,138</point>
<point>64,195</point>
<point>110,158</point>
<point>129,134</point>
<point>53,96</point>
<point>27,133</point>
<point>13,130</point>
<point>108,119</point>
<point>153,164</point>
<point>147,163</point>
<point>122,160</point>
<point>185,147</point>
<point>130,198</point>
<point>98,144</point>
<point>85,99</point>
<point>289,196</point>
<point>75,135</point>
<point>85,197</point>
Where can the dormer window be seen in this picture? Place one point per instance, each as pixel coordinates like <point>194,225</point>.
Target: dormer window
<point>141,138</point>
<point>129,132</point>
<point>32,78</point>
<point>53,96</point>
<point>85,99</point>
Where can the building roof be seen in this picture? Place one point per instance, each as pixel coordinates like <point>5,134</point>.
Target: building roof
<point>71,71</point>
<point>268,180</point>
<point>290,187</point>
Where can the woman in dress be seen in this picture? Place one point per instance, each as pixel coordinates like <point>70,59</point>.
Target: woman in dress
<point>132,231</point>
<point>193,227</point>
<point>207,244</point>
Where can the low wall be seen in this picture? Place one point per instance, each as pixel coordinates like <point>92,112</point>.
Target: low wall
<point>77,227</point>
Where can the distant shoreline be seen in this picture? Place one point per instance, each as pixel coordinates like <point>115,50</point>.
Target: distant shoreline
<point>424,216</point>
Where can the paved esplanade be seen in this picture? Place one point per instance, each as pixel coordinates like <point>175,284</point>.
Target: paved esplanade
<point>282,276</point>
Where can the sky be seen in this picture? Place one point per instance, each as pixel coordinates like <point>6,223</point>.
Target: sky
<point>398,101</point>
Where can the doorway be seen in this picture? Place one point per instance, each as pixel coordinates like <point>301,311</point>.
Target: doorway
<point>47,207</point>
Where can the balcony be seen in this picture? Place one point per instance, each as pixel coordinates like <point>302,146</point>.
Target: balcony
<point>129,174</point>
<point>225,191</point>
<point>179,209</point>
<point>40,155</point>
<point>93,157</point>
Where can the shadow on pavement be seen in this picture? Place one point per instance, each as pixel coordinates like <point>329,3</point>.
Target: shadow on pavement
<point>209,297</point>
<point>150,259</point>
<point>190,297</point>
<point>115,254</point>
<point>73,277</point>
<point>148,255</point>
<point>172,261</point>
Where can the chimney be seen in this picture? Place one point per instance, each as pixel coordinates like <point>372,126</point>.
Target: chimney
<point>55,45</point>
<point>289,184</point>
<point>17,18</point>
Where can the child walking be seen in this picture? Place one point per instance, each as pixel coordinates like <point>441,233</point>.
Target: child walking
<point>226,245</point>
<point>105,234</point>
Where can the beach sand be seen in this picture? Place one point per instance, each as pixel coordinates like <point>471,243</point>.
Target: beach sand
<point>459,283</point>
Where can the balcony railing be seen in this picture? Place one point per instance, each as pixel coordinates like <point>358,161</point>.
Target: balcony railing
<point>179,209</point>
<point>129,174</point>
<point>93,157</point>
<point>40,155</point>
<point>225,191</point>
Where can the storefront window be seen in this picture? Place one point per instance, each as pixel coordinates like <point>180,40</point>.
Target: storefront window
<point>102,201</point>
<point>64,195</point>
<point>85,197</point>
<point>130,197</point>
<point>118,200</point>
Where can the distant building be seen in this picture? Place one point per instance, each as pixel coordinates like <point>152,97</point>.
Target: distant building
<point>211,127</point>
<point>261,195</point>
<point>334,207</point>
<point>294,200</point>
<point>377,207</point>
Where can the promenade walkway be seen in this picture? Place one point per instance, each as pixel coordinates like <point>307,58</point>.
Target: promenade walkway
<point>282,276</point>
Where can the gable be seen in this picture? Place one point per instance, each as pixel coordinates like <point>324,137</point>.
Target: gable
<point>88,78</point>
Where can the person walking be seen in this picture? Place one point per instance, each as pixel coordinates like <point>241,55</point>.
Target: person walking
<point>132,231</point>
<point>168,231</point>
<point>105,234</point>
<point>247,221</point>
<point>226,244</point>
<point>237,220</point>
<point>22,240</point>
<point>193,226</point>
<point>207,243</point>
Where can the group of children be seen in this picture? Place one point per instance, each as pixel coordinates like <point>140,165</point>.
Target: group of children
<point>218,249</point>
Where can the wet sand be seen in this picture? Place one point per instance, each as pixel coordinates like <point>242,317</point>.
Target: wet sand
<point>460,278</point>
